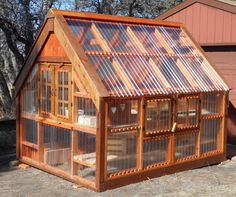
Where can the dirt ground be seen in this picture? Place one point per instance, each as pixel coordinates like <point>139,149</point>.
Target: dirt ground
<point>217,180</point>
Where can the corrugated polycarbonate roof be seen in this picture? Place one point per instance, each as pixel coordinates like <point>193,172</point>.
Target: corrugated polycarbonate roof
<point>135,60</point>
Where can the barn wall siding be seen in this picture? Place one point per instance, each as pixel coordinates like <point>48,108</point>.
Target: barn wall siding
<point>225,62</point>
<point>219,26</point>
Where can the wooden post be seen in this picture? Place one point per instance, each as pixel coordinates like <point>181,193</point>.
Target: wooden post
<point>100,147</point>
<point>140,134</point>
<point>171,146</point>
<point>223,143</point>
<point>74,149</point>
<point>21,129</point>
<point>18,122</point>
<point>198,144</point>
<point>74,134</point>
<point>40,142</point>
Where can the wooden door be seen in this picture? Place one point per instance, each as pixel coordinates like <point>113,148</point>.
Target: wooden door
<point>55,91</point>
<point>63,95</point>
<point>46,90</point>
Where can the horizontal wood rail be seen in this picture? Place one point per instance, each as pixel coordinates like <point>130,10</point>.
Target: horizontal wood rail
<point>156,165</point>
<point>186,158</point>
<point>123,173</point>
<point>186,127</point>
<point>84,163</point>
<point>206,116</point>
<point>84,129</point>
<point>158,100</point>
<point>29,144</point>
<point>211,153</point>
<point>134,54</point>
<point>123,129</point>
<point>58,123</point>
<point>157,132</point>
<point>157,137</point>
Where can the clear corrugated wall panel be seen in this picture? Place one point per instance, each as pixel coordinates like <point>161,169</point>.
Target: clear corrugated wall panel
<point>187,112</point>
<point>121,151</point>
<point>85,112</point>
<point>30,138</point>
<point>85,155</point>
<point>123,113</point>
<point>185,144</point>
<point>158,115</point>
<point>155,151</point>
<point>210,135</point>
<point>29,92</point>
<point>31,130</point>
<point>57,147</point>
<point>212,104</point>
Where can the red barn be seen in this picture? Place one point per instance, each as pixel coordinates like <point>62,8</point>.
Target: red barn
<point>213,25</point>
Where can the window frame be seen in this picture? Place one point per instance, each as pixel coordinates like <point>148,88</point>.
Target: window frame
<point>54,69</point>
<point>47,68</point>
<point>122,127</point>
<point>187,125</point>
<point>158,101</point>
<point>63,69</point>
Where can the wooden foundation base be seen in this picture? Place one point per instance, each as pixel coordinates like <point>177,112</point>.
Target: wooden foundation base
<point>152,173</point>
<point>131,178</point>
<point>60,173</point>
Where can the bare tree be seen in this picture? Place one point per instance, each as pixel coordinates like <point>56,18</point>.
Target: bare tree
<point>137,8</point>
<point>20,21</point>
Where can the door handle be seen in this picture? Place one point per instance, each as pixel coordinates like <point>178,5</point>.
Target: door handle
<point>174,127</point>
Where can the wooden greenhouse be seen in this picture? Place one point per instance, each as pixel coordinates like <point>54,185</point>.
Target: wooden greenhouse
<point>104,101</point>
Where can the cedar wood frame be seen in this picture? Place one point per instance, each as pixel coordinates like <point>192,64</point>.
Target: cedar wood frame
<point>56,23</point>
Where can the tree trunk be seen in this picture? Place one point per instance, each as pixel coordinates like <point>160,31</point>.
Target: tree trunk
<point>4,93</point>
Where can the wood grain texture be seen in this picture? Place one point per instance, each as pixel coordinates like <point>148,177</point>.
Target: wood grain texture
<point>52,48</point>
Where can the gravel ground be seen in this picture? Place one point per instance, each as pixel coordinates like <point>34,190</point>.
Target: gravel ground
<point>217,180</point>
